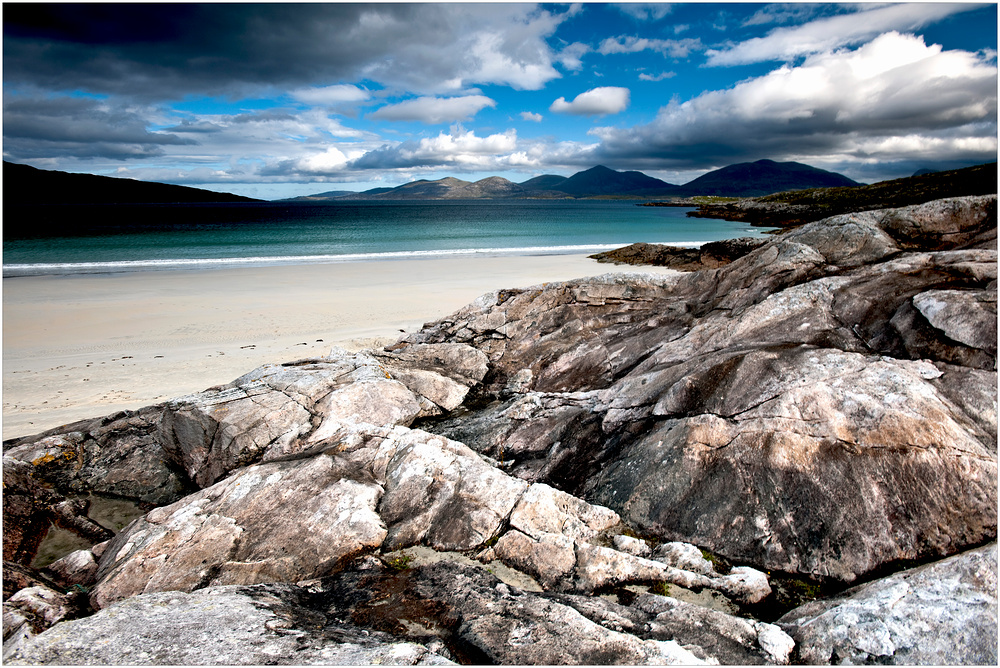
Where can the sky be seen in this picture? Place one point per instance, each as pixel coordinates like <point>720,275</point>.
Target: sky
<point>282,100</point>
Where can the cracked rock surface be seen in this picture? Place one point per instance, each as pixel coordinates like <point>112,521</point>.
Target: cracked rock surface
<point>823,407</point>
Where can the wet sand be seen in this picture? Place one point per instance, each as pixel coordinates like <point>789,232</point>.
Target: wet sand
<point>85,346</point>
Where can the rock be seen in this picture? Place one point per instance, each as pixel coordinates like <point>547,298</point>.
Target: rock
<point>707,256</point>
<point>31,508</point>
<point>27,511</point>
<point>119,455</point>
<point>440,493</point>
<point>742,408</point>
<point>275,411</point>
<point>485,621</point>
<point>229,533</point>
<point>217,626</point>
<point>76,568</point>
<point>18,576</point>
<point>684,556</point>
<point>966,317</point>
<point>634,546</point>
<point>709,634</point>
<point>944,613</point>
<point>545,510</point>
<point>552,536</point>
<point>29,612</point>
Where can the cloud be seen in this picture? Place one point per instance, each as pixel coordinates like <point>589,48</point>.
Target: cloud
<point>782,13</point>
<point>826,34</point>
<point>155,51</point>
<point>657,77</point>
<point>434,109</point>
<point>571,55</point>
<point>84,128</point>
<point>331,95</point>
<point>531,116</point>
<point>594,102</point>
<point>458,148</point>
<point>675,48</point>
<point>646,11</point>
<point>894,96</point>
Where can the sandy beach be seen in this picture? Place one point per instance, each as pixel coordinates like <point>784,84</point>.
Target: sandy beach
<point>85,346</point>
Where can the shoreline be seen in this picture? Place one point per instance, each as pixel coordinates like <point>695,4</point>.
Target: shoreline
<point>78,346</point>
<point>39,269</point>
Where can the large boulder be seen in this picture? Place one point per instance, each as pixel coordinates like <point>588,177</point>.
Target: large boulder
<point>944,613</point>
<point>278,410</point>
<point>274,522</point>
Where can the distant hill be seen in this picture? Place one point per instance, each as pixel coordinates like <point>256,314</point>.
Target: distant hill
<point>753,179</point>
<point>595,182</point>
<point>493,187</point>
<point>601,180</point>
<point>329,194</point>
<point>28,186</point>
<point>544,182</point>
<point>743,180</point>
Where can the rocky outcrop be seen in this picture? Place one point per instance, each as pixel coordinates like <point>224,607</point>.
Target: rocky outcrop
<point>944,613</point>
<point>372,612</point>
<point>822,407</point>
<point>707,256</point>
<point>378,488</point>
<point>742,409</point>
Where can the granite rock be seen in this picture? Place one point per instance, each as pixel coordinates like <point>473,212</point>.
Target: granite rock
<point>943,613</point>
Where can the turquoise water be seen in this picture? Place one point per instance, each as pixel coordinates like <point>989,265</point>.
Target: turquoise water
<point>141,238</point>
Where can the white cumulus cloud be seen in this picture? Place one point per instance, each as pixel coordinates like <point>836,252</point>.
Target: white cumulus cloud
<point>434,109</point>
<point>531,116</point>
<point>840,103</point>
<point>594,102</point>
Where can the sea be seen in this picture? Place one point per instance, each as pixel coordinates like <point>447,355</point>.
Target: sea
<point>89,239</point>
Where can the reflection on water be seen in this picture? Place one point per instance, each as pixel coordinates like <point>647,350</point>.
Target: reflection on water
<point>111,513</point>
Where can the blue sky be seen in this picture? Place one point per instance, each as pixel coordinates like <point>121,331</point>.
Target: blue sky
<point>282,100</point>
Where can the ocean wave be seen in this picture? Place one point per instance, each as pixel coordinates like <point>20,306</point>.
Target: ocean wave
<point>119,266</point>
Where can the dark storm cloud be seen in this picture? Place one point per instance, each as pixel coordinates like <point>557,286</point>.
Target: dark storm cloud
<point>162,50</point>
<point>80,127</point>
<point>165,51</point>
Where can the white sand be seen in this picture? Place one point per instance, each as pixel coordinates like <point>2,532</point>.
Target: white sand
<point>85,346</point>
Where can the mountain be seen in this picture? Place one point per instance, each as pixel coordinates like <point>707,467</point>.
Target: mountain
<point>753,179</point>
<point>27,186</point>
<point>321,197</point>
<point>543,182</point>
<point>748,179</point>
<point>597,181</point>
<point>601,180</point>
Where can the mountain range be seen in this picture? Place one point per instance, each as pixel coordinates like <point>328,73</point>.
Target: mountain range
<point>747,179</point>
<point>24,184</point>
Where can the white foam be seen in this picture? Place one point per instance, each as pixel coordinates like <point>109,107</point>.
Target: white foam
<point>41,269</point>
